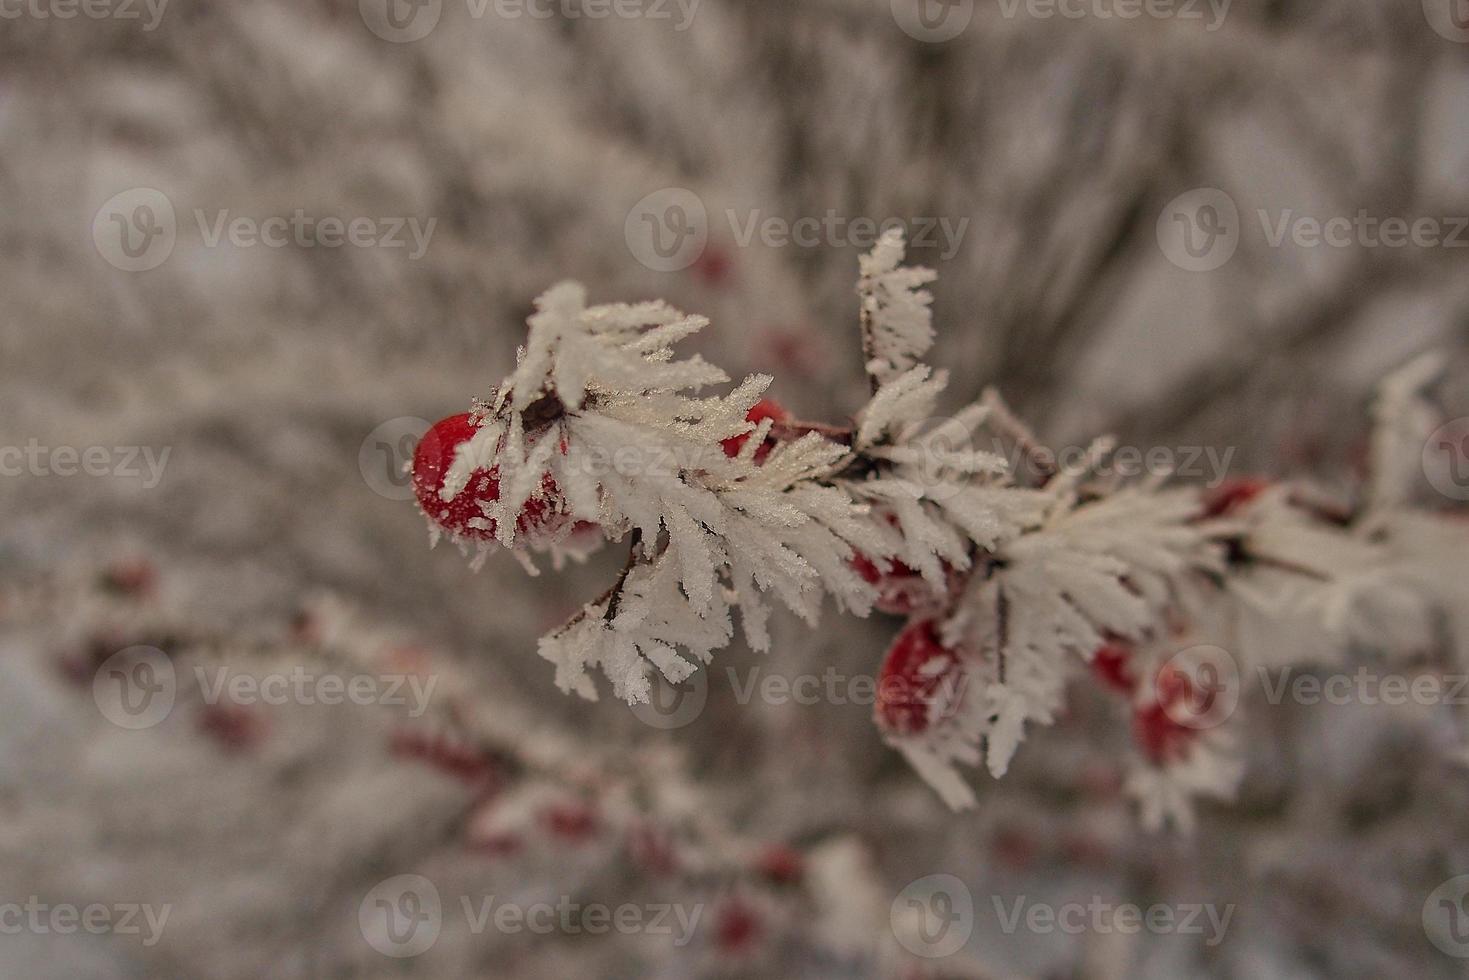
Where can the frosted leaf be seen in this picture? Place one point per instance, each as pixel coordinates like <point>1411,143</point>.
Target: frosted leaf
<point>897,323</point>
<point>1403,420</point>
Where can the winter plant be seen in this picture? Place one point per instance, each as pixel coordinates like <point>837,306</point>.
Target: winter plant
<point>1015,581</point>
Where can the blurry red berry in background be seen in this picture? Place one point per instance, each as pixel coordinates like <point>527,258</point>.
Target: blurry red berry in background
<point>135,578</point>
<point>736,926</point>
<point>1112,663</point>
<point>1233,494</point>
<point>234,727</point>
<point>714,266</point>
<point>780,865</point>
<point>576,822</point>
<point>1156,727</point>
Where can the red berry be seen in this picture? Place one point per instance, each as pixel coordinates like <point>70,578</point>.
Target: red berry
<point>234,727</point>
<point>736,927</point>
<point>494,845</point>
<point>136,578</point>
<point>653,851</point>
<point>1156,728</point>
<point>780,865</point>
<point>462,514</point>
<point>901,590</point>
<point>1014,847</point>
<point>574,822</point>
<point>1233,494</point>
<point>917,672</point>
<point>458,759</point>
<point>1113,664</point>
<point>765,408</point>
<point>714,266</point>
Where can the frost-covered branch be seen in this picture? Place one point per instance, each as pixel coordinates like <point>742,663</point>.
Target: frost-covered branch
<point>1014,586</point>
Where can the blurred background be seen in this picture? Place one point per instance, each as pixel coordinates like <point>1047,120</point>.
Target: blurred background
<point>250,250</point>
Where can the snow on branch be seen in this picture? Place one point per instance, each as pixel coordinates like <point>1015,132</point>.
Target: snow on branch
<point>1013,590</point>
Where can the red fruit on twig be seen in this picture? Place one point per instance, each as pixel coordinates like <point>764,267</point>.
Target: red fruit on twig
<point>920,682</point>
<point>462,515</point>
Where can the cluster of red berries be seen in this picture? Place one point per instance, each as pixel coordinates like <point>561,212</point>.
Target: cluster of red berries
<point>544,515</point>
